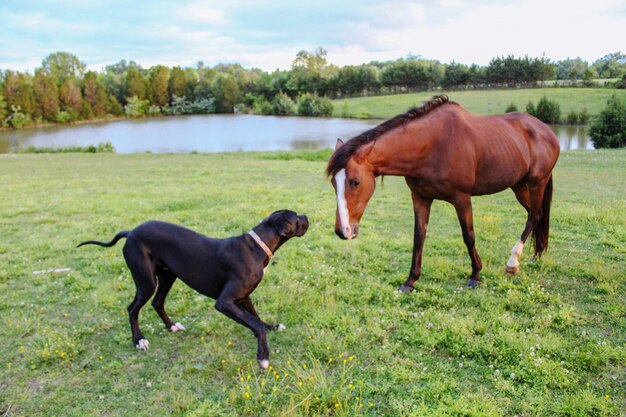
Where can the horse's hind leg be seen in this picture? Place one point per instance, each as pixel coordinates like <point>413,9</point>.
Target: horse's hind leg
<point>166,279</point>
<point>530,197</point>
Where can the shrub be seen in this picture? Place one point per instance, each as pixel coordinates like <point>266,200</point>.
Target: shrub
<point>64,117</point>
<point>17,119</point>
<point>572,118</point>
<point>548,111</point>
<point>609,129</point>
<point>511,108</point>
<point>583,116</point>
<point>136,107</point>
<point>283,105</point>
<point>313,105</point>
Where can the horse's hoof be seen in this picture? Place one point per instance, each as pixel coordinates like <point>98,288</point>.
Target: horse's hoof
<point>406,288</point>
<point>473,283</point>
<point>512,270</point>
<point>264,364</point>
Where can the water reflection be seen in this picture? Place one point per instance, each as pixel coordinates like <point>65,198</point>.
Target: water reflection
<point>573,137</point>
<point>218,133</point>
<point>214,133</point>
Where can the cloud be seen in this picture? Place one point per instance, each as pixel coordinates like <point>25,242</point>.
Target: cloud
<point>202,13</point>
<point>268,34</point>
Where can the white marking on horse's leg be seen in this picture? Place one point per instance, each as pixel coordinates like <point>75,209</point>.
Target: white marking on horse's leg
<point>281,327</point>
<point>264,364</point>
<point>176,327</point>
<point>342,204</point>
<point>512,265</point>
<point>143,344</point>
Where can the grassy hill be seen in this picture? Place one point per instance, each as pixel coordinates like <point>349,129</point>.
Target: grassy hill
<point>478,101</point>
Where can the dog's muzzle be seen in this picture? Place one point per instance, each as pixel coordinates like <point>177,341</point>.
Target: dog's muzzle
<point>302,225</point>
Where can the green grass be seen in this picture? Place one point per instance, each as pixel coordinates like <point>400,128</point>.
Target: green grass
<point>549,341</point>
<point>479,101</point>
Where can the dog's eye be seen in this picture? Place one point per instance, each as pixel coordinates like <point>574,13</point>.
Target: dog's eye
<point>354,182</point>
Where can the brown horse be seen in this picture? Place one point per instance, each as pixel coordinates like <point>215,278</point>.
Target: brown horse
<point>446,153</point>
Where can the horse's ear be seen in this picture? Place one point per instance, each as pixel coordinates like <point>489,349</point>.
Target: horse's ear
<point>339,144</point>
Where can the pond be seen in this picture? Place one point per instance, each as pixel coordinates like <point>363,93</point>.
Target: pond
<point>217,133</point>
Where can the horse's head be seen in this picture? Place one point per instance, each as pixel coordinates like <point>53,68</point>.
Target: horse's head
<point>354,184</point>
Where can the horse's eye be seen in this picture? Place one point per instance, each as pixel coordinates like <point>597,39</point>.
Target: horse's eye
<point>354,182</point>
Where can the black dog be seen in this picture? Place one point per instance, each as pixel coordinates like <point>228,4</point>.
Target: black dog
<point>227,270</point>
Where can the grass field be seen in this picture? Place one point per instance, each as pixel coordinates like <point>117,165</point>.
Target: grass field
<point>550,341</point>
<point>479,101</point>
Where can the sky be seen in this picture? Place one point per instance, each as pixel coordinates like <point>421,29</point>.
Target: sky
<point>268,34</point>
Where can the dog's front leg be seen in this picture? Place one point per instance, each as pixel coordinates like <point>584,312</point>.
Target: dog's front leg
<point>229,307</point>
<point>246,304</point>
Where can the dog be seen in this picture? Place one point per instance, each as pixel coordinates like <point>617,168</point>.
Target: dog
<point>227,270</point>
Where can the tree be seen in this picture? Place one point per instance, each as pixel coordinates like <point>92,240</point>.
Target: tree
<point>570,69</point>
<point>609,129</point>
<point>46,95</point>
<point>3,109</point>
<point>136,84</point>
<point>456,75</point>
<point>159,77</point>
<point>310,71</point>
<point>71,98</point>
<point>611,66</point>
<point>227,93</point>
<point>63,66</point>
<point>95,94</point>
<point>18,92</point>
<point>177,84</point>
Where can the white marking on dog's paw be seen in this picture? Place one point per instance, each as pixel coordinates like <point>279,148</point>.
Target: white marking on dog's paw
<point>264,364</point>
<point>143,344</point>
<point>281,327</point>
<point>177,327</point>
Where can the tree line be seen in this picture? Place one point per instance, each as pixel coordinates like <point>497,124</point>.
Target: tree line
<point>63,90</point>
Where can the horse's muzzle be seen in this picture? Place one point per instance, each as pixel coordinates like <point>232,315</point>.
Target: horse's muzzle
<point>349,234</point>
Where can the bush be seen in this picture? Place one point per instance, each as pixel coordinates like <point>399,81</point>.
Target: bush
<point>136,107</point>
<point>64,117</point>
<point>282,105</point>
<point>548,111</point>
<point>511,108</point>
<point>313,105</point>
<point>583,116</point>
<point>609,129</point>
<point>572,118</point>
<point>17,119</point>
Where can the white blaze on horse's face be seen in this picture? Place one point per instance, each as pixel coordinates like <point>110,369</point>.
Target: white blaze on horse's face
<point>354,186</point>
<point>342,204</point>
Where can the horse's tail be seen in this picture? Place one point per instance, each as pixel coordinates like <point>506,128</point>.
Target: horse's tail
<point>541,233</point>
<point>123,233</point>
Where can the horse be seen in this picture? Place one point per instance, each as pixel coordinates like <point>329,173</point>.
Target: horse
<point>444,152</point>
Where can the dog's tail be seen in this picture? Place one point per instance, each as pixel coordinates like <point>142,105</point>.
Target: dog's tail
<point>123,233</point>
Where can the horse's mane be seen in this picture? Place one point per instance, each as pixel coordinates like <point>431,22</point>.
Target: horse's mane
<point>340,158</point>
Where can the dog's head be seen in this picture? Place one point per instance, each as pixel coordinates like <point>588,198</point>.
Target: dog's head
<point>287,223</point>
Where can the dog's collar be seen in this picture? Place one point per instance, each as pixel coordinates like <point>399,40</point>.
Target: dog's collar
<point>262,244</point>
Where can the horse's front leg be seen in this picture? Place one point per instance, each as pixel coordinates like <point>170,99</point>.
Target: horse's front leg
<point>421,208</point>
<point>463,206</point>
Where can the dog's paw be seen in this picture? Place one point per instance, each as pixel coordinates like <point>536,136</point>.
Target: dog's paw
<point>281,327</point>
<point>177,327</point>
<point>143,344</point>
<point>264,364</point>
